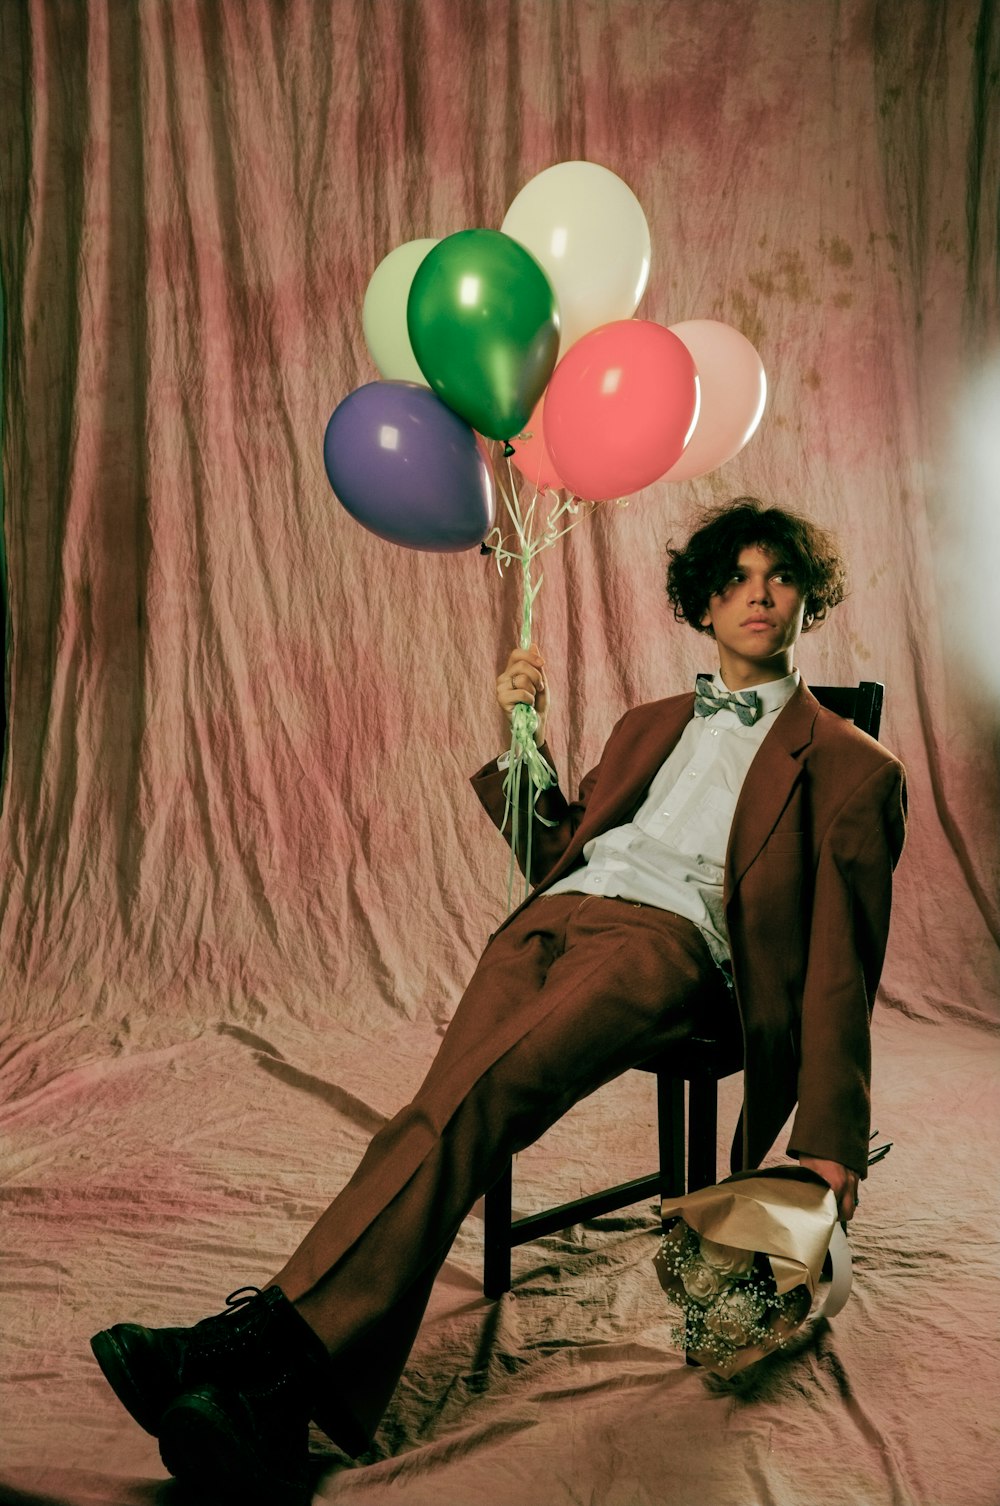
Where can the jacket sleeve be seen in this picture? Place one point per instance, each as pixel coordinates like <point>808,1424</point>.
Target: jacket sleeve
<point>548,843</point>
<point>847,941</point>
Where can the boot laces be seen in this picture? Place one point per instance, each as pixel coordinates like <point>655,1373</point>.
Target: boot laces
<point>241,1296</point>
<point>258,1318</point>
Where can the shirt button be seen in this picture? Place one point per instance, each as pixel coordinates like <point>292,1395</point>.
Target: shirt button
<point>693,774</point>
<point>715,731</point>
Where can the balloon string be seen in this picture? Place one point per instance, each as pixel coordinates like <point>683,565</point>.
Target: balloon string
<point>525,758</point>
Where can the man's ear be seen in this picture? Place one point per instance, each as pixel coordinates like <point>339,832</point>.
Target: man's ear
<point>706,621</point>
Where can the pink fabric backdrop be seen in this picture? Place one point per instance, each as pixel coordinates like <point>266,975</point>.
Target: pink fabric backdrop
<point>235,796</point>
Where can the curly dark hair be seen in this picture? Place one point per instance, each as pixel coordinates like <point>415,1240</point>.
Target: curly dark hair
<point>701,568</point>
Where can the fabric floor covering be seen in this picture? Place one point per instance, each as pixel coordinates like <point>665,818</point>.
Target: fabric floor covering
<point>148,1183</point>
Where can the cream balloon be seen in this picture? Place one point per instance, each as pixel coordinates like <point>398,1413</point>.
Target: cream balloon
<point>587,229</point>
<point>733,394</point>
<point>383,316</point>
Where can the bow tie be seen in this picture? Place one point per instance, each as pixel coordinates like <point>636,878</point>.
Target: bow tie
<point>708,700</point>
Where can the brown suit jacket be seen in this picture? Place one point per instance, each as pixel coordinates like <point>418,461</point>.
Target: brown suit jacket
<point>818,829</point>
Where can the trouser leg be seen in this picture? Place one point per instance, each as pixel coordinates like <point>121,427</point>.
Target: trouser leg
<point>619,985</point>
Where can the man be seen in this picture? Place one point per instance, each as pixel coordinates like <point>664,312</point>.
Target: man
<point>732,849</point>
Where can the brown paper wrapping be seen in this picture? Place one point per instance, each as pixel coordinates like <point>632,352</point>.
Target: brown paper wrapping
<point>785,1213</point>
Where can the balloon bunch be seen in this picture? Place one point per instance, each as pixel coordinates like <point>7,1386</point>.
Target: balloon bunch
<point>525,335</point>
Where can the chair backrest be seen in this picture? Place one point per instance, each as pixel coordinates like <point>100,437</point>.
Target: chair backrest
<point>860,704</point>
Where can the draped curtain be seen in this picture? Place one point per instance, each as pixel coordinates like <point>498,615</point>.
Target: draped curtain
<point>238,723</point>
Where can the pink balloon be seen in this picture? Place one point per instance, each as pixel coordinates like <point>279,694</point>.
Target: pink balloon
<point>531,456</point>
<point>733,392</point>
<point>619,408</point>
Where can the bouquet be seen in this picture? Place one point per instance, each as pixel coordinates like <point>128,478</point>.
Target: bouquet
<point>743,1261</point>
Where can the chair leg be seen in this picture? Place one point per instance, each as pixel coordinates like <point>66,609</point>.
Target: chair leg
<point>702,1128</point>
<point>670,1131</point>
<point>703,1123</point>
<point>496,1236</point>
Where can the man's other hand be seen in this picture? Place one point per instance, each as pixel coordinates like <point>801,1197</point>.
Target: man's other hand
<point>842,1179</point>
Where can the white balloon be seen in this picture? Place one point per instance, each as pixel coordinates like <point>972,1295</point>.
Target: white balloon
<point>587,229</point>
<point>383,316</point>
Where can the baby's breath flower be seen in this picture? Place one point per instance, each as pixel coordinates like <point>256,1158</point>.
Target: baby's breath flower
<point>736,1316</point>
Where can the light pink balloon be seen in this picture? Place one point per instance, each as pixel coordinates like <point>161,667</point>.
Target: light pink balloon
<point>531,456</point>
<point>733,393</point>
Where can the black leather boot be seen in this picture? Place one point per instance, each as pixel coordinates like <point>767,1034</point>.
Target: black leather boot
<point>258,1347</point>
<point>246,1445</point>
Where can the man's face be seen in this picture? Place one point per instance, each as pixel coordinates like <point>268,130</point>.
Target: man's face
<point>756,619</point>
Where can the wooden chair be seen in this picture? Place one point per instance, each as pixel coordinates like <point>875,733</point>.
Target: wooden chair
<point>701,1063</point>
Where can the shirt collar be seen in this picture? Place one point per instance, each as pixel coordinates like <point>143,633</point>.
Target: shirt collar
<point>772,694</point>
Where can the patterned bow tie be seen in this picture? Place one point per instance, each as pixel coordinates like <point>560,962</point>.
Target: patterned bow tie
<point>708,700</point>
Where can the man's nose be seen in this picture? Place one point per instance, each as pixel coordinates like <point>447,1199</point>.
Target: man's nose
<point>760,592</point>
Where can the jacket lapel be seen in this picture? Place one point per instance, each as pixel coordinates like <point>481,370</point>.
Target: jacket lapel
<point>769,783</point>
<point>635,761</point>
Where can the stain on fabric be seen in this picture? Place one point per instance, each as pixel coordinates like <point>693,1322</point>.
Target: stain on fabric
<point>787,277</point>
<point>837,252</point>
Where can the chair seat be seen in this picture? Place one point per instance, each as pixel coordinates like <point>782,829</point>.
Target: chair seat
<point>699,1056</point>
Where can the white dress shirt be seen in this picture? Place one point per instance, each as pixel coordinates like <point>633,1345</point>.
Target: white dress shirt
<point>672,853</point>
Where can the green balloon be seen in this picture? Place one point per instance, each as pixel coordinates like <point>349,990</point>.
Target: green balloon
<point>484,327</point>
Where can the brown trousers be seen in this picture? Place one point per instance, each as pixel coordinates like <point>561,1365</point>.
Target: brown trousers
<point>574,991</point>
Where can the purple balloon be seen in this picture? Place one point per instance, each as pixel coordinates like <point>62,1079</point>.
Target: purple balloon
<point>409,469</point>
